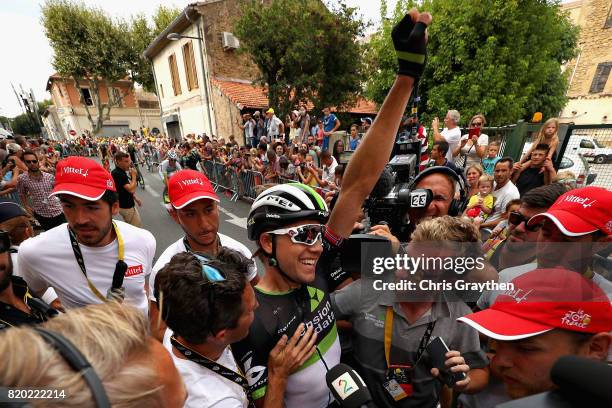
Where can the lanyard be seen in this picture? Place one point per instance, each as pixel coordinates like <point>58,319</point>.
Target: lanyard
<point>389,334</point>
<point>79,258</point>
<point>229,374</point>
<point>190,250</point>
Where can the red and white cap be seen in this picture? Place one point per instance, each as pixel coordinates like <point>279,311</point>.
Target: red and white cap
<point>83,178</point>
<point>580,212</point>
<point>187,186</point>
<point>543,300</point>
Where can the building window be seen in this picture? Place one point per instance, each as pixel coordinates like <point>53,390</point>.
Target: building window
<point>87,96</point>
<point>161,90</point>
<point>190,68</point>
<point>176,83</point>
<point>116,97</point>
<point>601,77</point>
<point>608,23</point>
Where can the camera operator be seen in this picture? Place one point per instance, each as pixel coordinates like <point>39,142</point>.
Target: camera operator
<point>392,327</point>
<point>287,221</point>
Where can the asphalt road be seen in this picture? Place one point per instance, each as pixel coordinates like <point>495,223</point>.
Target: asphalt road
<point>155,217</point>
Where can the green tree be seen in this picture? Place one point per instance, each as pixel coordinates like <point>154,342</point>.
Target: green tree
<point>91,48</point>
<point>26,123</point>
<point>304,51</point>
<point>142,33</point>
<point>498,57</point>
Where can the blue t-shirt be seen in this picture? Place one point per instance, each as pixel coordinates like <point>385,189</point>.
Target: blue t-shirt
<point>488,164</point>
<point>329,122</point>
<point>354,143</point>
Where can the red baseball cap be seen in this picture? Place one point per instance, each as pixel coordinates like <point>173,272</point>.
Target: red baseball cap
<point>187,186</point>
<point>580,212</point>
<point>543,300</point>
<point>83,178</point>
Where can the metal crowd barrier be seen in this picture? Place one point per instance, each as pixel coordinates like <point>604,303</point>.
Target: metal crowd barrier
<point>244,184</point>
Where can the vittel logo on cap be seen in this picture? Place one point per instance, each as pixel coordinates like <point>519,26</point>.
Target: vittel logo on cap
<point>191,182</point>
<point>585,201</point>
<point>578,319</point>
<point>75,170</point>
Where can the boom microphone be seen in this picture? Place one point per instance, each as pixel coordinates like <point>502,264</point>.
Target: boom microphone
<point>384,184</point>
<point>348,388</point>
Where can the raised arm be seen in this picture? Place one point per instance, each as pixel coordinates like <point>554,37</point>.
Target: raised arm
<point>368,162</point>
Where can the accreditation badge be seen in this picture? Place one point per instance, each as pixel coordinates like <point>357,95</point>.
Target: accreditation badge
<point>399,381</point>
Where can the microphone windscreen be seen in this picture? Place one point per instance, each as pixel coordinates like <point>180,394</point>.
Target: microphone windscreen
<point>347,387</point>
<point>384,184</point>
<point>583,377</point>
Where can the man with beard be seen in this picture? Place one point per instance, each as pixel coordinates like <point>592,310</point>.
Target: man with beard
<point>504,191</point>
<point>518,248</point>
<point>82,260</point>
<point>17,305</point>
<point>194,206</point>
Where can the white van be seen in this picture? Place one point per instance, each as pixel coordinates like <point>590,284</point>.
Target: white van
<point>590,148</point>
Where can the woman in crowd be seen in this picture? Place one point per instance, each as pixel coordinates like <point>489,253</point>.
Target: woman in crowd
<point>473,149</point>
<point>472,174</point>
<point>337,149</point>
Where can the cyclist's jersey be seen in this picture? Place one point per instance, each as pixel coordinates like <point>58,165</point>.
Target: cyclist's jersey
<point>166,170</point>
<point>281,313</point>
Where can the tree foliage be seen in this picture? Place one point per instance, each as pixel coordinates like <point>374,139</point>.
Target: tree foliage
<point>304,51</point>
<point>498,57</point>
<point>142,33</point>
<point>26,123</point>
<point>89,47</point>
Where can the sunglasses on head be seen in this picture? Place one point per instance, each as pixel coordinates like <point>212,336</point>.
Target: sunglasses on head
<point>308,234</point>
<point>516,218</point>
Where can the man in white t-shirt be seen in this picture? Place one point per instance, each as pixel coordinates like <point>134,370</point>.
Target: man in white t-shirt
<point>208,304</point>
<point>194,206</point>
<point>504,192</point>
<point>451,132</point>
<point>81,259</point>
<point>329,165</point>
<point>274,126</point>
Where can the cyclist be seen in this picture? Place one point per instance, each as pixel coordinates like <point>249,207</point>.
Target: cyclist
<point>166,169</point>
<point>298,250</point>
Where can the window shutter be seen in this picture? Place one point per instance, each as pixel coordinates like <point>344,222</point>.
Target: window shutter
<point>601,77</point>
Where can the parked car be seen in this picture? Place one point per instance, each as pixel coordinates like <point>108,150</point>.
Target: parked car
<point>575,163</point>
<point>590,148</point>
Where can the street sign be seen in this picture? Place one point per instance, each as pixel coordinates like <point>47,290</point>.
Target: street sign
<point>72,132</point>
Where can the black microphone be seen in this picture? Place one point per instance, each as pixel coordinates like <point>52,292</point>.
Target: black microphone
<point>579,377</point>
<point>348,388</point>
<point>582,383</point>
<point>384,184</point>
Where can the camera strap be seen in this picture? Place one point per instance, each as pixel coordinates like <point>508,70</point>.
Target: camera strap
<point>389,333</point>
<point>120,267</point>
<point>219,369</point>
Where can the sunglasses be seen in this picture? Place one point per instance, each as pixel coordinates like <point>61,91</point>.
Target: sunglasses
<point>308,234</point>
<point>516,218</point>
<point>5,241</point>
<point>477,124</point>
<point>31,161</point>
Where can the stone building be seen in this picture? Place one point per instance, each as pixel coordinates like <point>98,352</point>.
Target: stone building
<point>202,82</point>
<point>136,109</point>
<point>590,86</point>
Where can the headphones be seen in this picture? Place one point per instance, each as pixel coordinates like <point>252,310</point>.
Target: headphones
<point>77,361</point>
<point>457,206</point>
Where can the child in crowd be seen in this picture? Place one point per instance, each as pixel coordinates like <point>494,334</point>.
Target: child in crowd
<point>567,178</point>
<point>488,163</point>
<point>546,135</point>
<point>500,232</point>
<point>481,204</point>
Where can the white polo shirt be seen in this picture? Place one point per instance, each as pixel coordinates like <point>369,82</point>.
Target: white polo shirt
<point>48,261</point>
<point>179,246</point>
